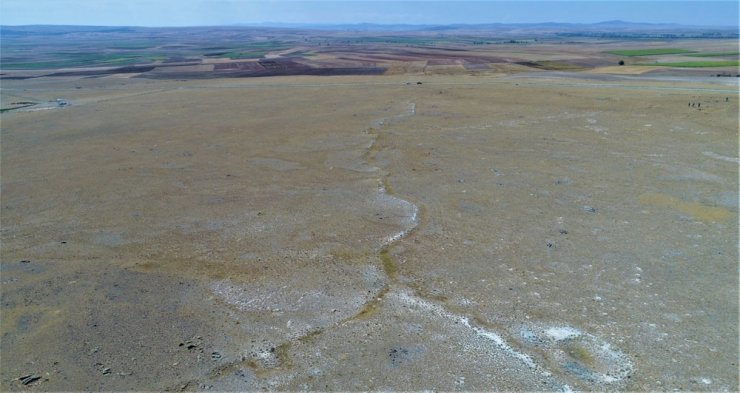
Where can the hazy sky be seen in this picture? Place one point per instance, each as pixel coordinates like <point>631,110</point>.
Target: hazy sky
<point>221,12</point>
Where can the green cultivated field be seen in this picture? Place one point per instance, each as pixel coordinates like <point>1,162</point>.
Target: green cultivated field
<point>247,55</point>
<point>714,54</point>
<point>649,52</point>
<point>696,64</point>
<point>64,61</point>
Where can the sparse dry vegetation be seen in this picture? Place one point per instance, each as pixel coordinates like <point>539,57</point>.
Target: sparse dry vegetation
<point>399,211</point>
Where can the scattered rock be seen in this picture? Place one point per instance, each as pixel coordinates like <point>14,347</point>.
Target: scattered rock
<point>104,370</point>
<point>215,355</point>
<point>704,381</point>
<point>589,209</point>
<point>193,344</point>
<point>25,261</point>
<point>29,379</point>
<point>398,356</point>
<point>563,232</point>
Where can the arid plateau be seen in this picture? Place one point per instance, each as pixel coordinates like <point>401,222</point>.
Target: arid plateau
<point>428,226</point>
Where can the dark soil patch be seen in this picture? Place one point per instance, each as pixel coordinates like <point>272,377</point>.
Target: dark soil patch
<point>549,65</point>
<point>240,66</point>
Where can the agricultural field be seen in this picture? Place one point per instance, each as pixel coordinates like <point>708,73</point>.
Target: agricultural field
<point>218,52</point>
<point>245,209</point>
<point>697,64</point>
<point>715,54</point>
<point>649,51</point>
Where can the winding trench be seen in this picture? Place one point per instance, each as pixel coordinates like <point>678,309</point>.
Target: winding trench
<point>614,366</point>
<point>548,342</point>
<point>388,266</point>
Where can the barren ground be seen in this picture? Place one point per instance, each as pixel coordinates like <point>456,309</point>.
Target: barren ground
<point>369,232</point>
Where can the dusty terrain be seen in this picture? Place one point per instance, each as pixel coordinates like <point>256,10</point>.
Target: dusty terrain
<point>545,231</point>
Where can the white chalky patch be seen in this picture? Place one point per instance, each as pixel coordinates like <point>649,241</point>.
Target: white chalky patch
<point>464,321</point>
<point>562,333</point>
<point>721,157</point>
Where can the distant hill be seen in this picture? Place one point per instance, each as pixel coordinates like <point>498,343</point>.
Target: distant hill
<point>611,29</point>
<point>615,25</point>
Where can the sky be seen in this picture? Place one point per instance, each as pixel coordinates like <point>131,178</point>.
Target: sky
<point>229,12</point>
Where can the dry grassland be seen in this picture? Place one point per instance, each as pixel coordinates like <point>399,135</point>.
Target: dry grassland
<point>370,233</point>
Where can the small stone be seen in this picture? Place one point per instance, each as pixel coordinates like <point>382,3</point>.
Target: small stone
<point>215,355</point>
<point>25,261</point>
<point>29,379</point>
<point>589,209</point>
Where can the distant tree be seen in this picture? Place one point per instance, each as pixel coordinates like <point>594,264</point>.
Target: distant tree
<point>621,62</point>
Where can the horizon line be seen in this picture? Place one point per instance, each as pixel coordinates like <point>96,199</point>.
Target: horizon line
<point>337,24</point>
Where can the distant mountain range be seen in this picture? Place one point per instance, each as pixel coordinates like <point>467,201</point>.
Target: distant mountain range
<point>612,26</point>
<point>618,25</point>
